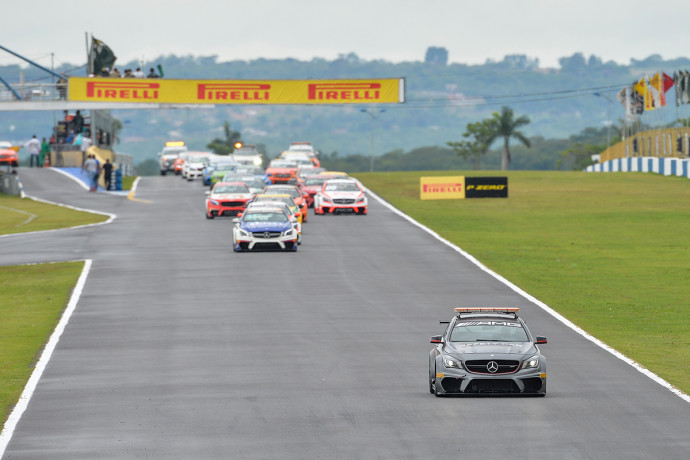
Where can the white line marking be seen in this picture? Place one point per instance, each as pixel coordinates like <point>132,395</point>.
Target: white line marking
<point>537,302</point>
<point>111,217</point>
<point>19,211</point>
<point>28,392</point>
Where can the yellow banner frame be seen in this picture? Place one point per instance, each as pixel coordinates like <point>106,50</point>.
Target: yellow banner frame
<point>442,188</point>
<point>167,91</point>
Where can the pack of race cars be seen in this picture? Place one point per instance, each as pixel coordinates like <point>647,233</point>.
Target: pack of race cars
<point>269,206</point>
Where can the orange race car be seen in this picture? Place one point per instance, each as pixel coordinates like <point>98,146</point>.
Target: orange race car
<point>282,172</point>
<point>8,154</point>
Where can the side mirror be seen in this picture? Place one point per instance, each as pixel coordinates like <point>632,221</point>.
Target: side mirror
<point>436,339</point>
<point>540,339</point>
<point>208,192</point>
<point>235,220</point>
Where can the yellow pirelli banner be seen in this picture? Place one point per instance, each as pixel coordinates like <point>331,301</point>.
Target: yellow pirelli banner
<point>442,187</point>
<point>165,91</point>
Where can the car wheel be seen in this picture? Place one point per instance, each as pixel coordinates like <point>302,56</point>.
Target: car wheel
<point>163,173</point>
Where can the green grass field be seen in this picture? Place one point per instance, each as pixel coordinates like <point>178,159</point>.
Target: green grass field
<point>608,251</point>
<point>32,298</point>
<point>18,215</point>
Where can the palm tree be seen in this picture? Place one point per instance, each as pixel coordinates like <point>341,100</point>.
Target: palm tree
<point>506,126</point>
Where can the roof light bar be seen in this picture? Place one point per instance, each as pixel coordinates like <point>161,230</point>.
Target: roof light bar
<point>486,310</point>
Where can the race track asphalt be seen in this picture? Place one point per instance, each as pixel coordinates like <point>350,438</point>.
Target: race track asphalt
<point>181,349</point>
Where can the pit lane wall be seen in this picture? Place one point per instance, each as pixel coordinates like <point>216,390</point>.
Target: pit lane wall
<point>666,166</point>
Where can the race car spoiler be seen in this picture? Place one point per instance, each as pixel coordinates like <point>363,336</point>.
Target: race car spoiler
<point>503,310</point>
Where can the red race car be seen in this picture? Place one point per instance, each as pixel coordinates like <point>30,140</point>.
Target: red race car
<point>227,199</point>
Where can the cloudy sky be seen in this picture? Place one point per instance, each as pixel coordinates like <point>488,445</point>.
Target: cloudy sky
<point>394,30</point>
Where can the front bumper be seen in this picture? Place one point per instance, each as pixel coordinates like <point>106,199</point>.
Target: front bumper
<point>267,241</point>
<point>217,210</point>
<point>459,381</point>
<point>333,208</point>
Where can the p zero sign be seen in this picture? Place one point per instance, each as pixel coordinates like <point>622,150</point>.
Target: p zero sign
<point>459,187</point>
<point>165,91</point>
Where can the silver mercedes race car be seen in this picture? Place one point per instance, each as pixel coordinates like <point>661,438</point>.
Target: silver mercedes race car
<point>486,351</point>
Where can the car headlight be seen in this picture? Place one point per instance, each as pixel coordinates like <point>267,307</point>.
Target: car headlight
<point>244,233</point>
<point>288,233</point>
<point>451,362</point>
<point>325,199</point>
<point>360,200</point>
<point>257,161</point>
<point>531,363</point>
<point>214,202</point>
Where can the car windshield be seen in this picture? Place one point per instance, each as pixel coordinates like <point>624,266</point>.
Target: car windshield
<point>254,182</point>
<point>230,189</point>
<point>265,217</point>
<point>283,199</point>
<point>488,331</point>
<point>283,164</point>
<point>293,192</point>
<point>226,167</point>
<point>310,181</point>
<point>250,170</point>
<point>342,187</point>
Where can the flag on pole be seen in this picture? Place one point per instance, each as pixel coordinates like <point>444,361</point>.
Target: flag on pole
<point>101,56</point>
<point>656,88</point>
<point>676,80</point>
<point>643,89</point>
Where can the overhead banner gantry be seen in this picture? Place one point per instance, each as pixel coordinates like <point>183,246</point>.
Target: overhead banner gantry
<point>266,92</point>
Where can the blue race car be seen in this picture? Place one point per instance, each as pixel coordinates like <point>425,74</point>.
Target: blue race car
<point>264,228</point>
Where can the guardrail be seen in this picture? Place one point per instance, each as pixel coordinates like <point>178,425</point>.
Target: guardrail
<point>35,92</point>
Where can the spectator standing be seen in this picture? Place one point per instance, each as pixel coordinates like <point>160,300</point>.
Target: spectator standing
<point>152,74</point>
<point>92,170</point>
<point>78,122</point>
<point>139,73</point>
<point>62,87</point>
<point>115,73</point>
<point>107,172</point>
<point>70,137</point>
<point>105,72</point>
<point>86,142</point>
<point>45,150</point>
<point>128,74</point>
<point>34,148</point>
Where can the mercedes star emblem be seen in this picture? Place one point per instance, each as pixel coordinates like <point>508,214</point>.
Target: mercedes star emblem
<point>492,366</point>
<point>267,235</point>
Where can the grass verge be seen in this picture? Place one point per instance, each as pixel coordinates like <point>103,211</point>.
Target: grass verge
<point>608,251</point>
<point>19,215</point>
<point>32,299</point>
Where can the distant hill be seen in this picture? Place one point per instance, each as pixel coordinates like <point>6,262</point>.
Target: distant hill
<point>560,102</point>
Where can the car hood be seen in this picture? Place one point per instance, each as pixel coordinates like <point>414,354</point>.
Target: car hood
<point>491,348</point>
<point>265,226</point>
<point>343,194</point>
<point>230,196</point>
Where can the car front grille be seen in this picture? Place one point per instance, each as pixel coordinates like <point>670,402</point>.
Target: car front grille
<point>492,386</point>
<point>481,366</point>
<point>266,234</point>
<point>232,203</point>
<point>283,176</point>
<point>344,201</point>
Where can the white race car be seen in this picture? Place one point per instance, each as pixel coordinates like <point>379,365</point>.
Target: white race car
<point>340,195</point>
